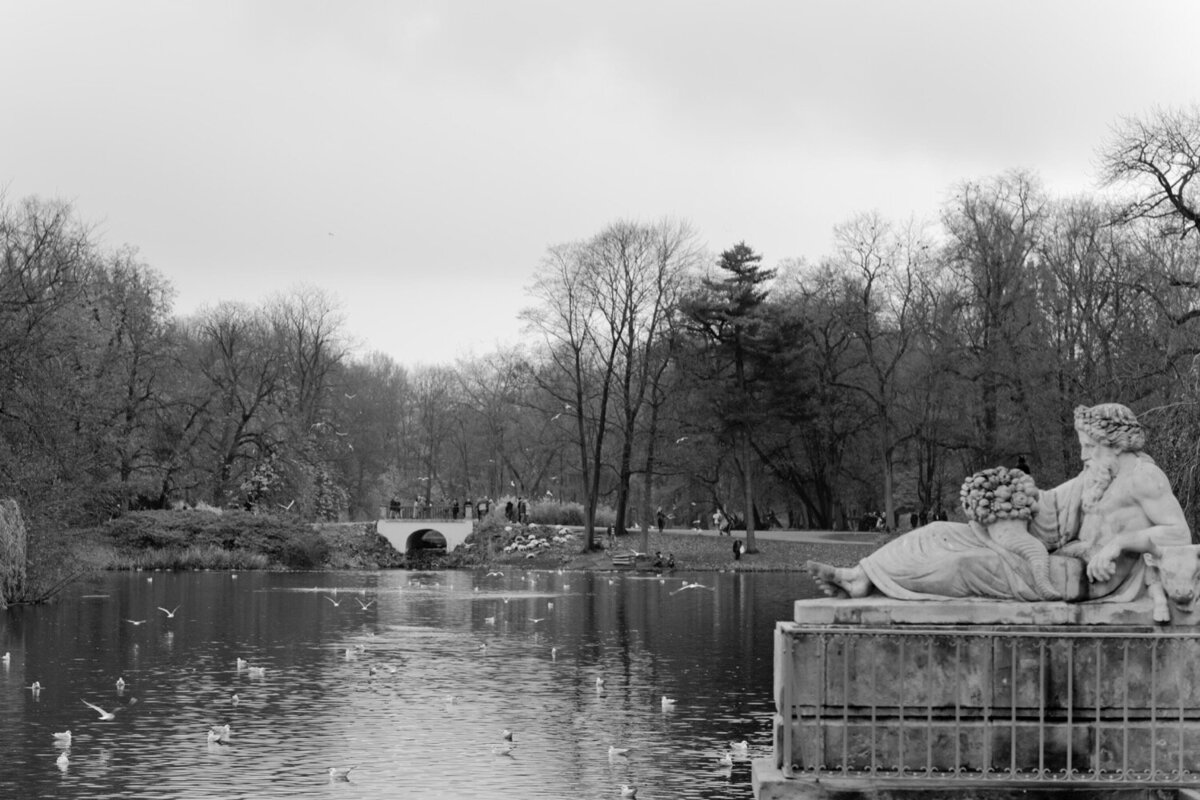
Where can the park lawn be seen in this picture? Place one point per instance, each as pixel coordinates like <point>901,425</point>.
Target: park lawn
<point>705,553</point>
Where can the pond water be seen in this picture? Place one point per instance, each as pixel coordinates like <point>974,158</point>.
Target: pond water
<point>409,677</point>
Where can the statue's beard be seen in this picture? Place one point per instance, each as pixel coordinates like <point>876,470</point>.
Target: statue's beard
<point>1098,473</point>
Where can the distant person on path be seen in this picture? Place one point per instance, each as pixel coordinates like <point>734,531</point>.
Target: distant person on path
<point>454,510</point>
<point>508,511</point>
<point>1023,465</point>
<point>737,550</point>
<point>522,511</point>
<point>661,519</point>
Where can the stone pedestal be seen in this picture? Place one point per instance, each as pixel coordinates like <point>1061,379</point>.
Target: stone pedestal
<point>982,698</point>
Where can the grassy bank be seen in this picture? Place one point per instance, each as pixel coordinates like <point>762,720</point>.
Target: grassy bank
<point>189,540</point>
<point>691,551</point>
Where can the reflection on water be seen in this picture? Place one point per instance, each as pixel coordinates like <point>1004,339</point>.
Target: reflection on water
<point>409,678</point>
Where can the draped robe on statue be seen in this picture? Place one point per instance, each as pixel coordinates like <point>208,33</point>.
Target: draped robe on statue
<point>954,559</point>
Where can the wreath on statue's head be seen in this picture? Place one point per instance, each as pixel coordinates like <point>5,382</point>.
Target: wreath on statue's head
<point>999,493</point>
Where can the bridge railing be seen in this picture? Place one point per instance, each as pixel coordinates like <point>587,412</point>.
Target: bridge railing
<point>442,512</point>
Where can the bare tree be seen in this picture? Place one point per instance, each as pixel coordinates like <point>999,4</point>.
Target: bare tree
<point>1161,156</point>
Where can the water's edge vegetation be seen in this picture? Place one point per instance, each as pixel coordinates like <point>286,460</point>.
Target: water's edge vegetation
<point>238,540</point>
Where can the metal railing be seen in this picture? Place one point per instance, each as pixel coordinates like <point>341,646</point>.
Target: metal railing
<point>993,704</point>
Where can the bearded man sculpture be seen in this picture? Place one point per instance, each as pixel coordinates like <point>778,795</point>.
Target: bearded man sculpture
<point>1095,525</point>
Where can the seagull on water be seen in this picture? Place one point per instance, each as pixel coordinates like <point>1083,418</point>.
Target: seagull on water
<point>63,737</point>
<point>739,747</point>
<point>235,699</point>
<point>120,684</point>
<point>613,752</point>
<point>218,734</point>
<point>257,672</point>
<point>628,791</point>
<point>105,715</point>
<point>507,734</point>
<point>35,687</point>
<point>339,773</point>
<point>62,761</point>
<point>489,620</point>
<point>726,759</point>
<point>687,586</point>
<point>668,703</point>
<point>170,614</point>
<point>503,749</point>
<point>242,663</point>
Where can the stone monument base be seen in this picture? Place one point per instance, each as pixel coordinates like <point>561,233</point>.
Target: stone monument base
<point>879,698</point>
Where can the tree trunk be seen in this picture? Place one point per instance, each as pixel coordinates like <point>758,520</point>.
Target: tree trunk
<point>12,553</point>
<point>748,484</point>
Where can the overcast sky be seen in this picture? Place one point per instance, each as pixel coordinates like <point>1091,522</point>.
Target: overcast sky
<point>416,159</point>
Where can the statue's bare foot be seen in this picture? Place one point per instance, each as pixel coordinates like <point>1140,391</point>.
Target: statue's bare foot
<point>839,581</point>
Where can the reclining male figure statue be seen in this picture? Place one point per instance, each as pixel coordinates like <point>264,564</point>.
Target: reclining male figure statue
<point>1119,507</point>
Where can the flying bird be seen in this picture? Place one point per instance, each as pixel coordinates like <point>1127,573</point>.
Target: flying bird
<point>330,599</point>
<point>494,573</point>
<point>365,605</point>
<point>288,507</point>
<point>170,614</point>
<point>104,715</point>
<point>536,620</point>
<point>136,621</point>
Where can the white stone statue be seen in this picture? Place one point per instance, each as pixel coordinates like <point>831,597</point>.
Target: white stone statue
<point>1096,525</point>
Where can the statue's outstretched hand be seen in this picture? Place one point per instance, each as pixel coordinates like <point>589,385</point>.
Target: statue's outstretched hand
<point>1103,565</point>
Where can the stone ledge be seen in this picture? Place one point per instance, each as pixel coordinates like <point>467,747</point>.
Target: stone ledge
<point>879,610</point>
<point>771,784</point>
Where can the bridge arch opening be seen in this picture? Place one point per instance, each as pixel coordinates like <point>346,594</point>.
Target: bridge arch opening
<point>426,540</point>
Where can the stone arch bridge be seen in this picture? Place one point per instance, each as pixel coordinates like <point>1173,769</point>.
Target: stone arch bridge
<point>409,534</point>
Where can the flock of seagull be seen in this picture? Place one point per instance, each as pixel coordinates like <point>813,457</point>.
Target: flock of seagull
<point>219,735</point>
<point>737,749</point>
